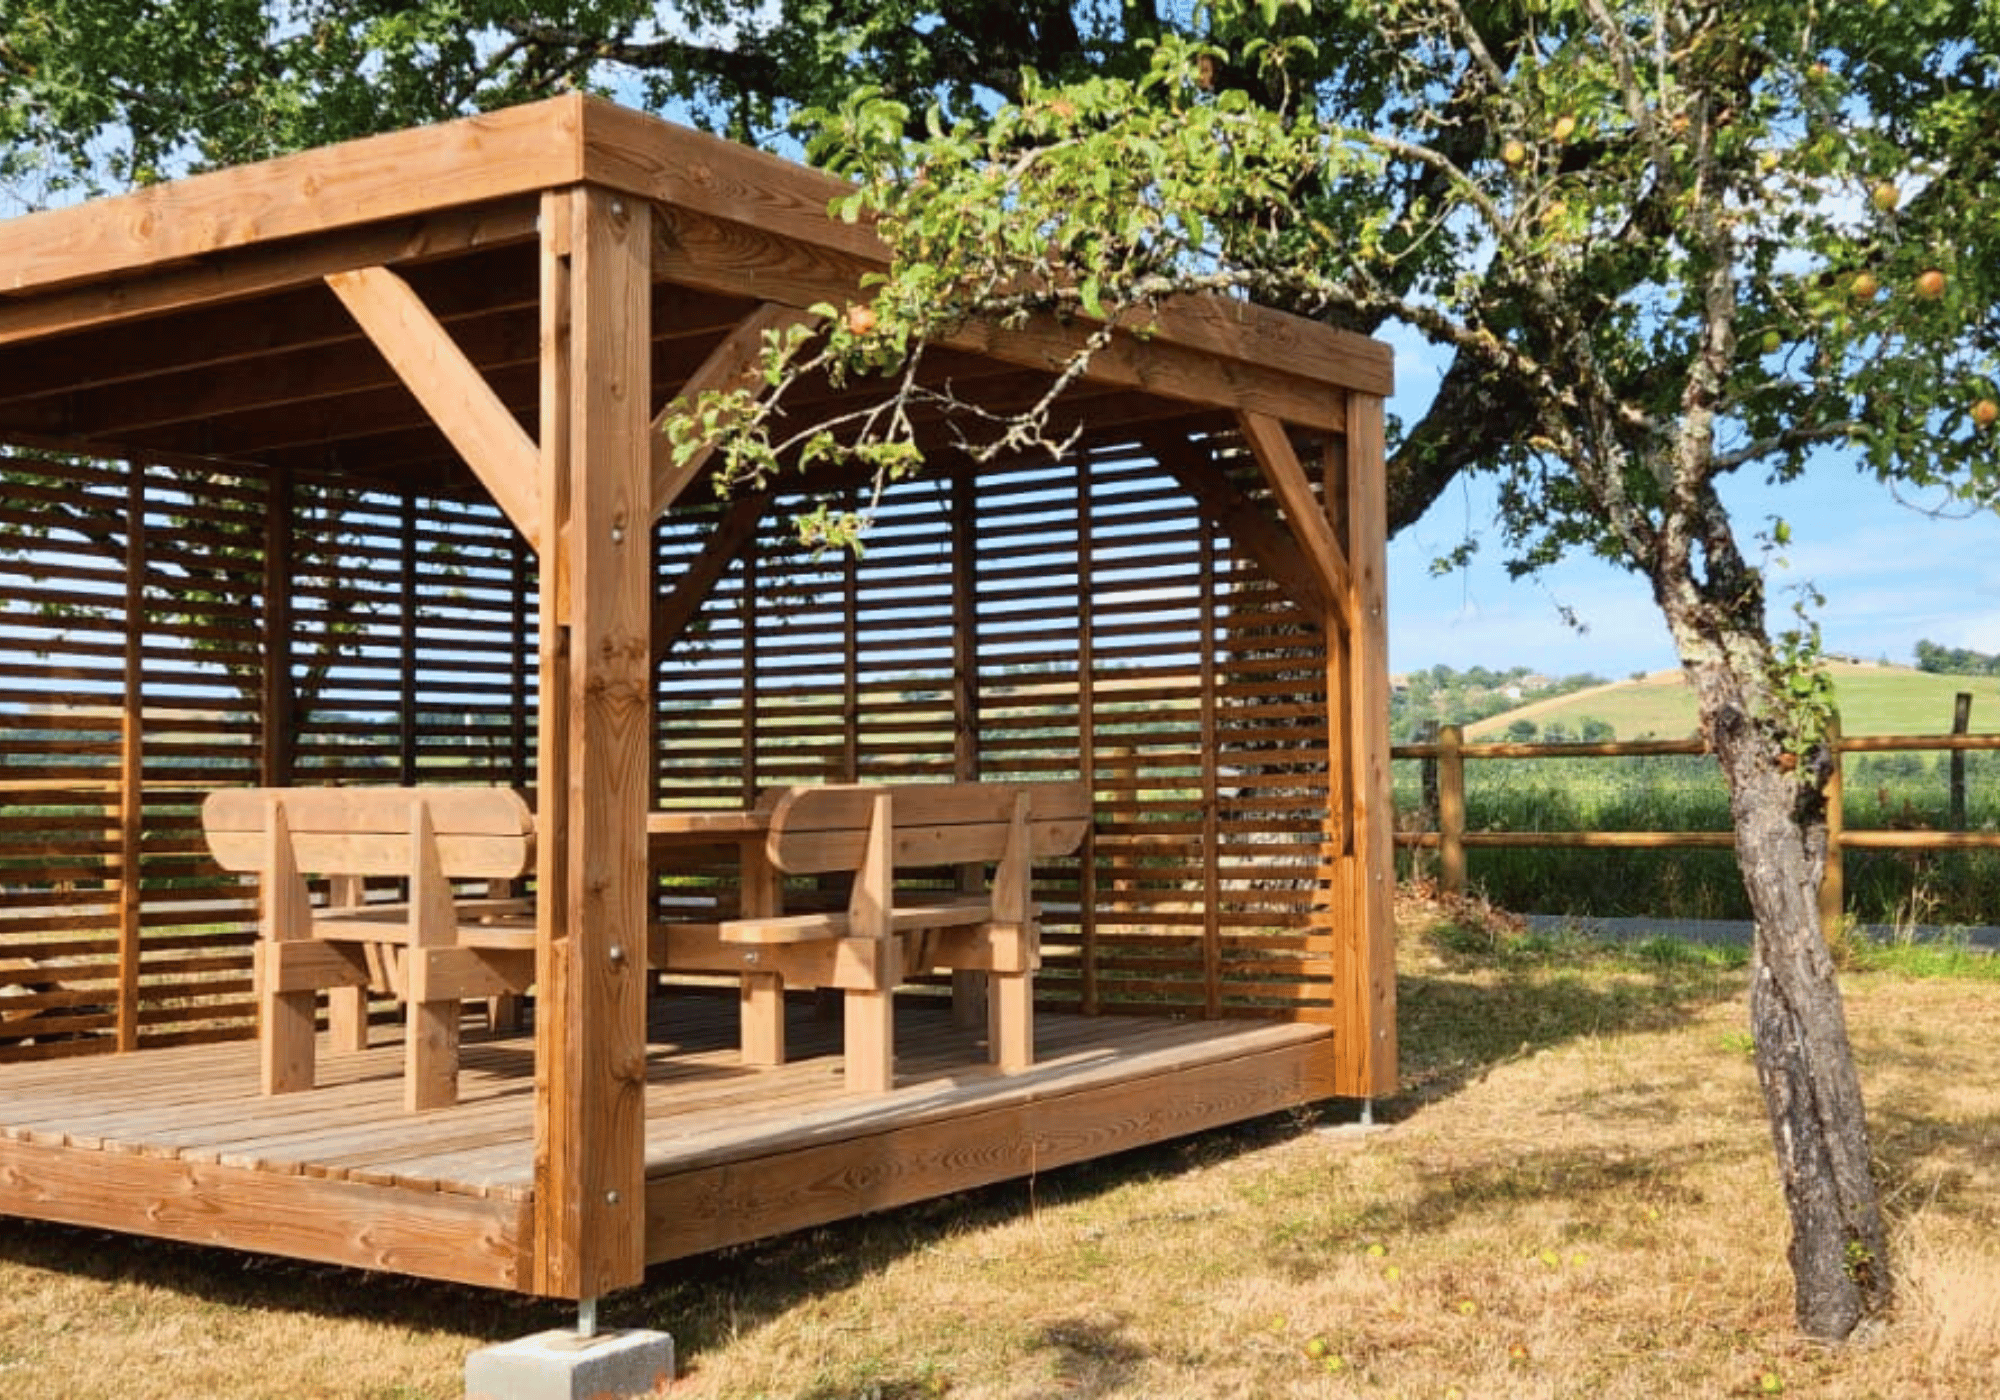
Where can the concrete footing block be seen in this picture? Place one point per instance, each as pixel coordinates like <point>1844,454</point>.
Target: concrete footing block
<point>560,1365</point>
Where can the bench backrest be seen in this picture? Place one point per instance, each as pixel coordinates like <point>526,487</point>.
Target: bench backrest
<point>481,832</point>
<point>820,828</point>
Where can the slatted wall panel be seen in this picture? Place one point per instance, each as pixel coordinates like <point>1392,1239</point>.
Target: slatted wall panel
<point>473,629</point>
<point>1111,632</point>
<point>60,703</point>
<point>1272,908</point>
<point>196,696</point>
<point>110,931</point>
<point>800,693</point>
<point>904,639</point>
<point>353,612</point>
<point>411,642</point>
<point>1150,597</point>
<point>701,740</point>
<point>413,652</point>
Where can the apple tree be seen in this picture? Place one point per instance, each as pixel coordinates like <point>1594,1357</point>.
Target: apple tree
<point>1662,242</point>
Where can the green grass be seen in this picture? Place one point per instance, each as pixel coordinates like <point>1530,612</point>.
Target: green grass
<point>1872,700</point>
<point>1947,959</point>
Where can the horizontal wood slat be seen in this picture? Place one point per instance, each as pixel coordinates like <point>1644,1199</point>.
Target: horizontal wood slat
<point>1086,621</point>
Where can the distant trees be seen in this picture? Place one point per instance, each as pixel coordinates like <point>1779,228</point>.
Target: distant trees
<point>1444,695</point>
<point>1956,661</point>
<point>1587,731</point>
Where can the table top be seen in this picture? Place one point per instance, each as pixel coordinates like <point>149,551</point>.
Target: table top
<point>709,825</point>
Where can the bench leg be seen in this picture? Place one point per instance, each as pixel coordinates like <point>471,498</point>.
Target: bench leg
<point>347,1018</point>
<point>285,1039</point>
<point>430,1055</point>
<point>968,998</point>
<point>1010,1027</point>
<point>870,1041</point>
<point>762,998</point>
<point>503,1013</point>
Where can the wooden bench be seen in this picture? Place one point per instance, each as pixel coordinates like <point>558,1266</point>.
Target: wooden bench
<point>885,935</point>
<point>434,952</point>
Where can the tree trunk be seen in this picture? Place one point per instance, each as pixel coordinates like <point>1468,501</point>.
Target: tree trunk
<point>1805,1063</point>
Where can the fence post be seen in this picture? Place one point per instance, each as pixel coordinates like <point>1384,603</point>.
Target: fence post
<point>1451,808</point>
<point>1427,768</point>
<point>1961,722</point>
<point>1833,884</point>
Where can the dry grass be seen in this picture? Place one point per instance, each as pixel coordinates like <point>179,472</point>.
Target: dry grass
<point>1574,1197</point>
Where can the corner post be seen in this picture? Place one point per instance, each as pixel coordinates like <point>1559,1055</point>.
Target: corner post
<point>1365,983</point>
<point>592,785</point>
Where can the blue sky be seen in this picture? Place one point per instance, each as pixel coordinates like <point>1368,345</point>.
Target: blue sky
<point>1890,574</point>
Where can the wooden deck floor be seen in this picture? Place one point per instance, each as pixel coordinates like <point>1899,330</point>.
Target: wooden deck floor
<point>179,1143</point>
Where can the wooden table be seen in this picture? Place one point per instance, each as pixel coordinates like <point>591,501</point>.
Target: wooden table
<point>672,835</point>
<point>675,832</point>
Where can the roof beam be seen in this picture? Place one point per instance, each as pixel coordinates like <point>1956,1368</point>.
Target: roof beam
<point>734,363</point>
<point>761,196</point>
<point>263,269</point>
<point>219,340</point>
<point>739,260</point>
<point>451,389</point>
<point>1273,450</point>
<point>495,155</point>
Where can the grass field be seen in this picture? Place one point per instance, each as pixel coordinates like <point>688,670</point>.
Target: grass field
<point>1872,700</point>
<point>1572,1196</point>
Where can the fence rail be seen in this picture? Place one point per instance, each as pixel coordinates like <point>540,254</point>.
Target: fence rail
<point>1446,831</point>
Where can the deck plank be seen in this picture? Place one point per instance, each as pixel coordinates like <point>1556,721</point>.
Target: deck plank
<point>180,1143</point>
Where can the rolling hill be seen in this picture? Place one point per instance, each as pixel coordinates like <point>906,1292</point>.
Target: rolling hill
<point>1873,699</point>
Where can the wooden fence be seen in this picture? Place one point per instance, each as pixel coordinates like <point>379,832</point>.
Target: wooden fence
<point>1447,833</point>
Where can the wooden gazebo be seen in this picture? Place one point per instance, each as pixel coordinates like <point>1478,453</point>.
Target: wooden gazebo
<point>343,469</point>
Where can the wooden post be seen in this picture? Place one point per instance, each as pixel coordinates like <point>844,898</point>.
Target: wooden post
<point>1010,1027</point>
<point>746,606</point>
<point>285,1032</point>
<point>347,1007</point>
<point>1087,874</point>
<point>590,1052</point>
<point>850,667</point>
<point>1833,884</point>
<point>406,666</point>
<point>131,761</point>
<point>522,655</point>
<point>1451,808</point>
<point>968,985</point>
<point>1211,796</point>
<point>1427,778</point>
<point>278,709</point>
<point>1961,722</point>
<point>1365,954</point>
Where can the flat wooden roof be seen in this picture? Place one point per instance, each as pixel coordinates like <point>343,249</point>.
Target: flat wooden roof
<point>193,318</point>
